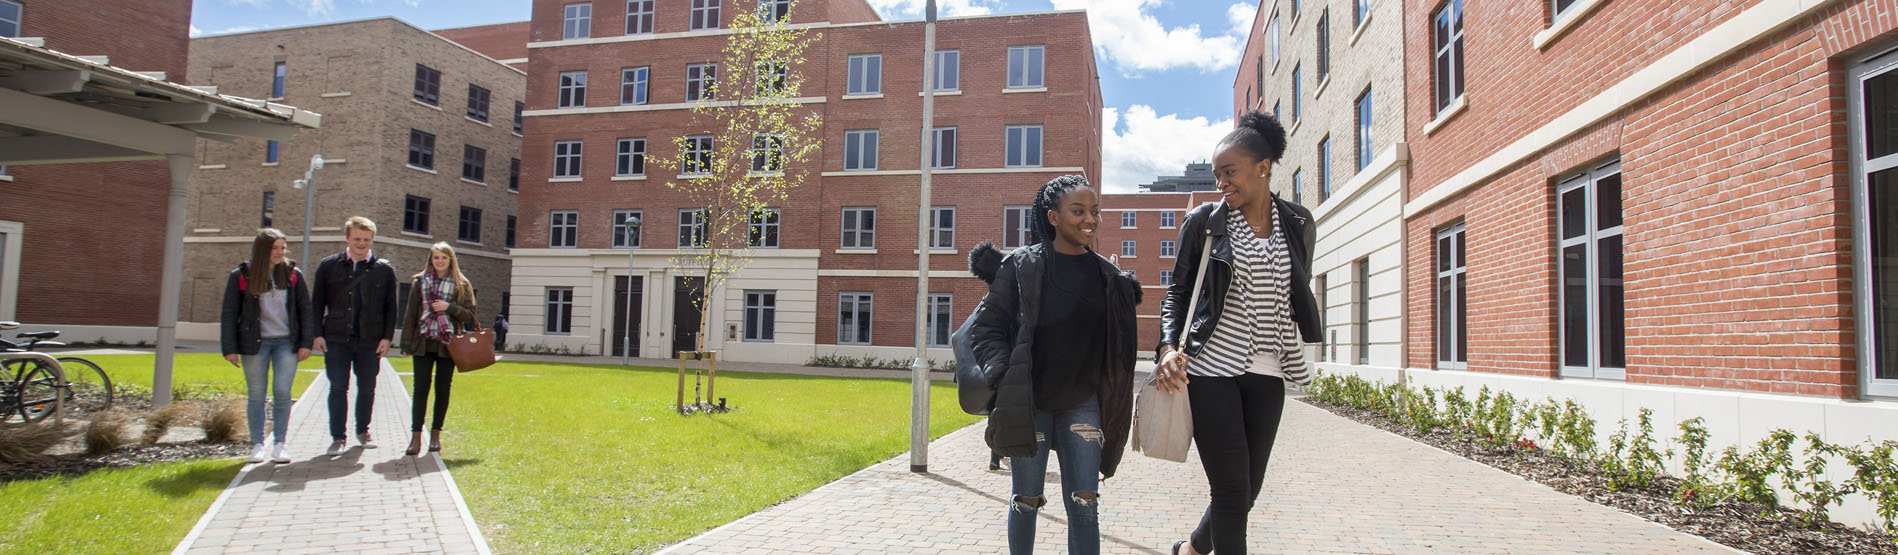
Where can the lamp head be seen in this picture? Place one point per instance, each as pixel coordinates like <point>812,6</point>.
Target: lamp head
<point>316,161</point>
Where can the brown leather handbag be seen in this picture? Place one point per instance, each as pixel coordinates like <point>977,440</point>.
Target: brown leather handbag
<point>472,349</point>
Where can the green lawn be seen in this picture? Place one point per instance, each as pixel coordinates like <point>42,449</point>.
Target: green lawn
<point>572,458</point>
<point>146,509</point>
<point>193,375</point>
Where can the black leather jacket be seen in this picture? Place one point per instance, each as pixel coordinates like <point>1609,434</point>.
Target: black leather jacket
<point>1210,220</point>
<point>335,304</point>
<point>1014,303</point>
<point>239,330</point>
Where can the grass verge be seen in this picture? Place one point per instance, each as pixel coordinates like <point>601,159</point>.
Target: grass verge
<point>147,509</point>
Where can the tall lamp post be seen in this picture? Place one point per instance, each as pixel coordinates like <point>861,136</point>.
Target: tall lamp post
<point>919,370</point>
<point>626,326</point>
<point>308,184</point>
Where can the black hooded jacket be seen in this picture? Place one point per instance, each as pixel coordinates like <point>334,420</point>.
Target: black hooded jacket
<point>1013,303</point>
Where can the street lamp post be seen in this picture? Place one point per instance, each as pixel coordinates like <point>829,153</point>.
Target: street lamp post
<point>308,184</point>
<point>626,325</point>
<point>919,370</point>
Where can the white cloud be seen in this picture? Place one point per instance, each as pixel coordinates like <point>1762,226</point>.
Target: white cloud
<point>248,2</point>
<point>315,7</point>
<point>913,9</point>
<point>195,31</point>
<point>1137,42</point>
<point>1142,145</point>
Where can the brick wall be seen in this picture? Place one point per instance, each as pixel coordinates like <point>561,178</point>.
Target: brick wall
<point>501,41</point>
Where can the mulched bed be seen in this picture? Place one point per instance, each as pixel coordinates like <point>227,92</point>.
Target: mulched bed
<point>123,457</point>
<point>1735,524</point>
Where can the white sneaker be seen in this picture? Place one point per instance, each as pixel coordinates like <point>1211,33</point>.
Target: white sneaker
<point>257,453</point>
<point>280,454</point>
<point>368,442</point>
<point>336,447</point>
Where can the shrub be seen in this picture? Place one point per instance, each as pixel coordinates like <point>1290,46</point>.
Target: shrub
<point>107,431</point>
<point>223,422</point>
<point>1696,488</point>
<point>160,421</point>
<point>1748,471</point>
<point>27,442</point>
<point>1876,474</point>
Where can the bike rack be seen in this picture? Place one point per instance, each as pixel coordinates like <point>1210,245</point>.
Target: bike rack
<point>59,374</point>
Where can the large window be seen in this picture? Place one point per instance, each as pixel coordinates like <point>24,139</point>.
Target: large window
<point>1363,304</point>
<point>860,149</point>
<point>695,230</point>
<point>1024,66</point>
<point>563,229</point>
<point>1360,9</point>
<point>277,70</point>
<point>1873,121</point>
<point>1272,31</point>
<point>1559,8</point>
<point>853,318</point>
<point>1168,248</point>
<point>474,163</point>
<point>772,76</point>
<point>1166,278</point>
<point>1364,130</point>
<point>948,70</point>
<point>762,231</point>
<point>632,85</point>
<point>859,228</point>
<point>421,149</point>
<point>1127,249</point>
<point>1594,322</point>
<point>1017,226</point>
<point>1446,35</point>
<point>761,315</point>
<point>865,74</point>
<point>470,229</point>
<point>1324,169</point>
<point>1324,45</point>
<point>941,322</point>
<point>428,85</point>
<point>767,153</point>
<point>624,236</point>
<point>704,14</point>
<point>944,147</point>
<point>1452,292</point>
<point>1023,146</point>
<point>638,17</point>
<point>573,89</point>
<point>514,174</point>
<point>559,310</point>
<point>700,81</point>
<point>942,227</point>
<point>697,156</point>
<point>774,10</point>
<point>478,103</point>
<point>577,23</point>
<point>1129,219</point>
<point>10,18</point>
<point>631,159</point>
<point>1168,220</point>
<point>415,214</point>
<point>567,158</point>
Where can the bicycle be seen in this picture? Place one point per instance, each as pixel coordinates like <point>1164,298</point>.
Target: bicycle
<point>33,386</point>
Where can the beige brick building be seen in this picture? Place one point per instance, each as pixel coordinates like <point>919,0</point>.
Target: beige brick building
<point>420,134</point>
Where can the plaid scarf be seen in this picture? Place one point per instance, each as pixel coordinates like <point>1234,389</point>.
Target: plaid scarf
<point>435,324</point>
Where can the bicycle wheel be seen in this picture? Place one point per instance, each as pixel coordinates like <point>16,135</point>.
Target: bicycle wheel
<point>89,388</point>
<point>39,389</point>
<point>11,374</point>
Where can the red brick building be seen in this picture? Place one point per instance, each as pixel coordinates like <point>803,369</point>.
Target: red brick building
<point>839,274</point>
<point>1141,232</point>
<point>505,42</point>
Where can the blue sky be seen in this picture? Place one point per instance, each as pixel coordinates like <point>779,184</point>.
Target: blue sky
<point>1166,65</point>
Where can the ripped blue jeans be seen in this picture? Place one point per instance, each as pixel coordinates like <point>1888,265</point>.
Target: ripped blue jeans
<point>1075,434</point>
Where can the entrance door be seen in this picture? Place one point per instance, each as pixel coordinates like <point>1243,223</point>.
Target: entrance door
<point>626,303</point>
<point>685,314</point>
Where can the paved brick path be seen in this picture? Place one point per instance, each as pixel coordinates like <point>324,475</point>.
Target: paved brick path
<point>1335,486</point>
<point>366,501</point>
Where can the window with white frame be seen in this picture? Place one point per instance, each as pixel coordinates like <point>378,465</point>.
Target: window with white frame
<point>1023,146</point>
<point>559,311</point>
<point>761,315</point>
<point>944,147</point>
<point>474,163</point>
<point>1169,220</point>
<point>1298,94</point>
<point>774,10</point>
<point>277,70</point>
<point>762,231</point>
<point>428,85</point>
<point>1272,30</point>
<point>1361,9</point>
<point>624,236</point>
<point>470,229</point>
<point>1446,35</point>
<point>941,323</point>
<point>421,149</point>
<point>865,74</point>
<point>948,70</point>
<point>1024,66</point>
<point>578,21</point>
<point>697,158</point>
<point>859,228</point>
<point>567,158</point>
<point>478,103</point>
<point>638,17</point>
<point>1593,317</point>
<point>1324,169</point>
<point>632,85</point>
<point>1016,226</point>
<point>695,230</point>
<point>767,153</point>
<point>1559,9</point>
<point>573,89</point>
<point>10,13</point>
<point>1166,277</point>
<point>1127,248</point>
<point>700,81</point>
<point>1168,248</point>
<point>1128,220</point>
<point>1324,45</point>
<point>704,14</point>
<point>1872,123</point>
<point>563,229</point>
<point>772,76</point>
<point>631,159</point>
<point>415,214</point>
<point>1452,291</point>
<point>1298,186</point>
<point>860,149</point>
<point>853,318</point>
<point>1322,290</point>
<point>1364,130</point>
<point>1363,304</point>
<point>942,227</point>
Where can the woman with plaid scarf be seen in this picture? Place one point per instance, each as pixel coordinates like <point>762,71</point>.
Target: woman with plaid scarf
<point>440,301</point>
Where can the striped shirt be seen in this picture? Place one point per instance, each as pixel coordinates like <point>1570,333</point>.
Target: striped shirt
<point>1255,333</point>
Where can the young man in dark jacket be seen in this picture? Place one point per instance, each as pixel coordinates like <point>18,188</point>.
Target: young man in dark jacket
<point>354,303</point>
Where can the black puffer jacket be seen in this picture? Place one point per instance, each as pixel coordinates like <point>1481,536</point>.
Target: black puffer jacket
<point>1209,220</point>
<point>1014,303</point>
<point>239,330</point>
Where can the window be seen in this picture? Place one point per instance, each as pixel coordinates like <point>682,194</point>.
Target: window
<point>478,103</point>
<point>1016,226</point>
<point>1272,29</point>
<point>415,214</point>
<point>771,76</point>
<point>704,14</point>
<point>474,163</point>
<point>1451,292</point>
<point>10,18</point>
<point>1024,66</point>
<point>1168,220</point>
<point>1248,104</point>
<point>767,153</point>
<point>1275,109</point>
<point>631,159</point>
<point>421,149</point>
<point>700,81</point>
<point>514,174</point>
<point>1168,248</point>
<point>638,17</point>
<point>1298,94</point>
<point>563,228</point>
<point>762,232</point>
<point>1557,8</point>
<point>1294,8</point>
<point>761,315</point>
<point>625,236</point>
<point>1321,289</point>
<point>1364,130</point>
<point>269,208</point>
<point>520,117</point>
<point>1363,267</point>
<point>1446,36</point>
<point>1258,74</point>
<point>695,230</point>
<point>1594,323</point>
<point>470,228</point>
<point>865,74</point>
<point>698,155</point>
<point>773,10</point>
<point>1024,146</point>
<point>1872,109</point>
<point>1324,45</point>
<point>1324,169</point>
<point>567,158</point>
<point>510,232</point>
<point>948,70</point>
<point>941,321</point>
<point>1126,249</point>
<point>578,21</point>
<point>942,227</point>
<point>276,74</point>
<point>270,152</point>
<point>1166,277</point>
<point>573,89</point>
<point>859,228</point>
<point>559,310</point>
<point>944,145</point>
<point>853,318</point>
<point>428,85</point>
<point>860,149</point>
<point>632,85</point>
<point>1298,186</point>
<point>1128,220</point>
<point>1361,9</point>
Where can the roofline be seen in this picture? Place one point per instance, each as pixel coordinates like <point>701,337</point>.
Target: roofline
<point>529,21</point>
<point>279,113</point>
<point>375,19</point>
<point>962,18</point>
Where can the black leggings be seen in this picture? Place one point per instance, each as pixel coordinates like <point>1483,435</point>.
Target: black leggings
<point>1235,421</point>
<point>442,375</point>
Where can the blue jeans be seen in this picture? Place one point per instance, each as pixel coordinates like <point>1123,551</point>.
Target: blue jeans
<point>343,360</point>
<point>275,366</point>
<point>1075,434</point>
